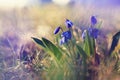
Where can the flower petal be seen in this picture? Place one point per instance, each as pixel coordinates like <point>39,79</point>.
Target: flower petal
<point>63,40</point>
<point>57,30</point>
<point>68,23</point>
<point>66,34</point>
<point>84,34</point>
<point>93,32</point>
<point>93,20</point>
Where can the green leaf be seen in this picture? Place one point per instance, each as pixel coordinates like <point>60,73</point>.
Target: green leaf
<point>52,48</point>
<point>114,42</point>
<point>99,25</point>
<point>89,45</point>
<point>38,41</point>
<point>83,53</point>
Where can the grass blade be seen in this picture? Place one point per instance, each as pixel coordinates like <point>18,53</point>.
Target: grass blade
<point>114,42</point>
<point>55,50</point>
<point>38,41</point>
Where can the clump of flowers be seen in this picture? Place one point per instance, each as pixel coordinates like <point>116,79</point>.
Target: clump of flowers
<point>92,30</point>
<point>65,35</point>
<point>78,58</point>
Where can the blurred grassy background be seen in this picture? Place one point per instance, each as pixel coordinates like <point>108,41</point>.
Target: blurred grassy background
<point>40,20</point>
<point>50,14</point>
<point>32,19</point>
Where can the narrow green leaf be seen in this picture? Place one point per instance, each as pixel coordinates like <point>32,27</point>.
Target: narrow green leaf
<point>99,25</point>
<point>83,53</point>
<point>38,41</point>
<point>89,45</point>
<point>114,42</point>
<point>55,50</point>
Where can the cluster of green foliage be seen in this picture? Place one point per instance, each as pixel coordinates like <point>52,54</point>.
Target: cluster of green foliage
<point>72,60</point>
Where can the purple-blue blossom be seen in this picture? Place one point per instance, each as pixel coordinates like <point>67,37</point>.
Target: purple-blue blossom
<point>84,34</point>
<point>93,20</point>
<point>93,32</point>
<point>63,40</point>
<point>65,36</point>
<point>57,30</point>
<point>68,23</point>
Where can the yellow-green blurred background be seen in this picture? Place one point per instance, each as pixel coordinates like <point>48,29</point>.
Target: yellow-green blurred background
<point>39,17</point>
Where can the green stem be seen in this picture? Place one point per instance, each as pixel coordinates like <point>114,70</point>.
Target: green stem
<point>84,70</point>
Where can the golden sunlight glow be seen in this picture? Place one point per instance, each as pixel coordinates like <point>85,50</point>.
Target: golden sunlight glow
<point>61,2</point>
<point>12,3</point>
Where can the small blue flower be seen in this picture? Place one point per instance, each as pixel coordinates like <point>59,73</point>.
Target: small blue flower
<point>66,34</point>
<point>84,34</point>
<point>57,30</point>
<point>93,20</point>
<point>68,23</point>
<point>93,32</point>
<point>63,40</point>
<point>65,37</point>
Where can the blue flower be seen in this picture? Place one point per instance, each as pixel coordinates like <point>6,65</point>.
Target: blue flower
<point>68,23</point>
<point>93,32</point>
<point>84,34</point>
<point>65,37</point>
<point>66,34</point>
<point>57,30</point>
<point>93,20</point>
<point>63,40</point>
